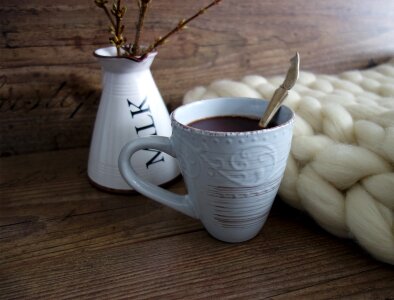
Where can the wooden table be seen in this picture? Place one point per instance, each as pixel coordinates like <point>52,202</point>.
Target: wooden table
<point>62,238</point>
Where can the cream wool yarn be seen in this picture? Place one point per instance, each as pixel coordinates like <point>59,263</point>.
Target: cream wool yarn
<point>341,166</point>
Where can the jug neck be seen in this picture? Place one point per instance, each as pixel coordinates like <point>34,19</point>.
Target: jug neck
<point>110,62</point>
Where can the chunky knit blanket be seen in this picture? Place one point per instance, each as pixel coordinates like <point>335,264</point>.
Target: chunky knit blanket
<point>341,165</point>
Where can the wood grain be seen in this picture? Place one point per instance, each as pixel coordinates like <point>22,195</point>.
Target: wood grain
<point>50,82</point>
<point>60,238</point>
<point>49,208</point>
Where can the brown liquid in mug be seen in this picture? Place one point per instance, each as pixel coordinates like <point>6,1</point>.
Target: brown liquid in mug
<point>228,124</point>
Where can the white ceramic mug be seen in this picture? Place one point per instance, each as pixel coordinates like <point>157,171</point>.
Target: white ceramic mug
<point>231,177</point>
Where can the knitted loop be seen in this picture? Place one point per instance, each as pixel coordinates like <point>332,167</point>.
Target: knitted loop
<point>341,166</point>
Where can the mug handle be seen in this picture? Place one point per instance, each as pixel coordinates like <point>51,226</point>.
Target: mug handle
<point>177,202</point>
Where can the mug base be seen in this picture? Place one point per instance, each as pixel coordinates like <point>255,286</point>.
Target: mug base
<point>235,240</point>
<point>236,236</point>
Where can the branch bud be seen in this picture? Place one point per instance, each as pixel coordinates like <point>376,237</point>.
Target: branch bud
<point>100,3</point>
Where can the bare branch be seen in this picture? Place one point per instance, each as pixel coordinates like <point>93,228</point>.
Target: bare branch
<point>143,7</point>
<point>117,30</point>
<point>103,4</point>
<point>181,25</point>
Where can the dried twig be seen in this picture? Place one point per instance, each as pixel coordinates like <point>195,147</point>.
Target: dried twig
<point>115,16</point>
<point>116,28</point>
<point>117,31</point>
<point>103,4</point>
<point>181,25</point>
<point>143,7</point>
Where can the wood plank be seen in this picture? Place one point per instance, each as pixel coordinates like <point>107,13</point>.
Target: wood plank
<point>49,208</point>
<point>61,238</point>
<point>46,45</point>
<point>371,284</point>
<point>285,257</point>
<point>58,109</point>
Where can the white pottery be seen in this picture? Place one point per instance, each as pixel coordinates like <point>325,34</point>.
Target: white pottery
<point>130,107</point>
<point>231,177</point>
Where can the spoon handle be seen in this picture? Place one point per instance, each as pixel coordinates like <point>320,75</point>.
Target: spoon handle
<point>273,106</point>
<point>281,92</point>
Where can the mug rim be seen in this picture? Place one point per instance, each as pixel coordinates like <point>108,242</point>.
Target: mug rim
<point>186,127</point>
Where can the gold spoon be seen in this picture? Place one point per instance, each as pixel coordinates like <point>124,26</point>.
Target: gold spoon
<point>281,92</point>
